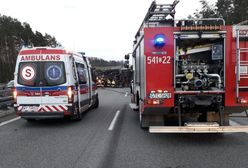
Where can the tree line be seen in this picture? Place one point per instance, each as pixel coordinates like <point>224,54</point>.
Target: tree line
<point>99,62</point>
<point>232,11</point>
<point>13,36</point>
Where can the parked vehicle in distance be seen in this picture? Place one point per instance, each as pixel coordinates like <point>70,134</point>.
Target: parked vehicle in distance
<point>10,85</point>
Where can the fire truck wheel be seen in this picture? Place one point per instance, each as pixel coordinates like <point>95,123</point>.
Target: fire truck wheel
<point>137,102</point>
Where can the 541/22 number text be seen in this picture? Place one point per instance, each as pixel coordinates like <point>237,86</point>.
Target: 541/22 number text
<point>158,60</point>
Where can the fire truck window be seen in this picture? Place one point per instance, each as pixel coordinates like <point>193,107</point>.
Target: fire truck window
<point>54,73</point>
<point>81,73</point>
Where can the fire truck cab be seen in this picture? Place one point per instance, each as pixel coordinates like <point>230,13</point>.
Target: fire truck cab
<point>189,75</point>
<point>53,83</point>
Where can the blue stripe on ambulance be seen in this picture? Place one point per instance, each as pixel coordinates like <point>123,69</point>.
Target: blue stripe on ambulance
<point>53,88</point>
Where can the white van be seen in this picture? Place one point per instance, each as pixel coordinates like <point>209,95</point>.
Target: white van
<point>53,83</point>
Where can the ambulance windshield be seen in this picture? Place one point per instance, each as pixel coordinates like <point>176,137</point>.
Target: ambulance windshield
<point>41,73</point>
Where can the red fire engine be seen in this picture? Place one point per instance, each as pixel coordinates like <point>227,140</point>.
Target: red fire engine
<point>189,75</point>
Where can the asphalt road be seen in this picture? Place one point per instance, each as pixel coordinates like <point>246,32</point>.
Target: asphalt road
<point>99,142</point>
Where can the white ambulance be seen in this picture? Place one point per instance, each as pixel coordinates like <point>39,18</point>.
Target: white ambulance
<point>53,83</point>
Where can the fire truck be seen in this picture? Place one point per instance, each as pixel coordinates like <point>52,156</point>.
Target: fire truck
<point>189,75</point>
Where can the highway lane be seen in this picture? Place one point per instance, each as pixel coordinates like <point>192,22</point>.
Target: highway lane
<point>62,143</point>
<point>137,148</point>
<point>91,143</point>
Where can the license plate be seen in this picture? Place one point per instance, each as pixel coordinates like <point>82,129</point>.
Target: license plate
<point>30,108</point>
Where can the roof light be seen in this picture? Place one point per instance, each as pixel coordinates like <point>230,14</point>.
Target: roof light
<point>159,40</point>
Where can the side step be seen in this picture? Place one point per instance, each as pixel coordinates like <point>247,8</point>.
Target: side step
<point>198,128</point>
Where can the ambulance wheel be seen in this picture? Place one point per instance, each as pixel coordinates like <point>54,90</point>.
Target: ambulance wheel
<point>30,120</point>
<point>96,105</point>
<point>78,115</point>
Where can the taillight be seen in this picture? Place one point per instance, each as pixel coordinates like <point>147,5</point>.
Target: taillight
<point>154,101</point>
<point>70,94</point>
<point>14,94</point>
<point>243,101</point>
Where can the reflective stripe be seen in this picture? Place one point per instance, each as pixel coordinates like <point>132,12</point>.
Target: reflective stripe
<point>49,108</point>
<point>62,108</point>
<point>56,109</point>
<point>46,108</point>
<point>19,108</point>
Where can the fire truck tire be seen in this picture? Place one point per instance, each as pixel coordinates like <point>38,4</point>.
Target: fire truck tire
<point>137,102</point>
<point>151,120</point>
<point>137,99</point>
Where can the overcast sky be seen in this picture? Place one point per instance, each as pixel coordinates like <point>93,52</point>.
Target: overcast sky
<point>101,28</point>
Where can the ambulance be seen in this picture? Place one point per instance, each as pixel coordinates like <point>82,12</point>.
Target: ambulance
<point>53,83</point>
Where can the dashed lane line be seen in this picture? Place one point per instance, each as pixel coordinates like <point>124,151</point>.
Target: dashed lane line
<point>9,121</point>
<point>112,124</point>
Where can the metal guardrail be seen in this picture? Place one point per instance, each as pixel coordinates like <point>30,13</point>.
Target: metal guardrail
<point>6,98</point>
<point>5,93</point>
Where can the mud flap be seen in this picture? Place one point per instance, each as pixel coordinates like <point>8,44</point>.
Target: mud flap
<point>151,120</point>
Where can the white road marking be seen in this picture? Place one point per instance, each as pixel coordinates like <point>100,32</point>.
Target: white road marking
<point>9,121</point>
<point>126,94</point>
<point>112,124</point>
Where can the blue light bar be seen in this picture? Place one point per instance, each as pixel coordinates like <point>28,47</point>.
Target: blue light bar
<point>159,40</point>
